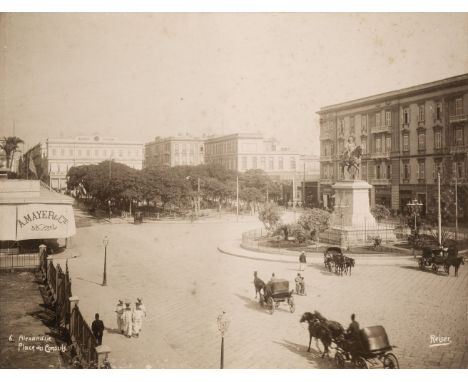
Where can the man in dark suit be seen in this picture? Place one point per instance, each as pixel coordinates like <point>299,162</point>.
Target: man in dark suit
<point>97,328</point>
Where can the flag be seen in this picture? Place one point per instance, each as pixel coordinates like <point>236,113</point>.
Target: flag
<point>82,188</point>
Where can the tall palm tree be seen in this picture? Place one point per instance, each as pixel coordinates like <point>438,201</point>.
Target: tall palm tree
<point>10,145</point>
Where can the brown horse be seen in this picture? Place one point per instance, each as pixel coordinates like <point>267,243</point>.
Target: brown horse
<point>318,331</point>
<point>453,262</point>
<point>259,285</point>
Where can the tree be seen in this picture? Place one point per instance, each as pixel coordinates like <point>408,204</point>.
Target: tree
<point>314,220</point>
<point>270,215</point>
<point>10,146</point>
<point>380,212</point>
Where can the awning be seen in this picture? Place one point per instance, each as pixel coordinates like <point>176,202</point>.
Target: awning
<point>30,211</point>
<point>36,221</point>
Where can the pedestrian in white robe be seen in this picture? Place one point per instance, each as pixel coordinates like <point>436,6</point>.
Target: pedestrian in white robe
<point>127,320</point>
<point>137,320</point>
<point>119,309</point>
<point>139,303</point>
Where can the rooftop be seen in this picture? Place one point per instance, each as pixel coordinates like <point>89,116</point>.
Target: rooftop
<point>20,191</point>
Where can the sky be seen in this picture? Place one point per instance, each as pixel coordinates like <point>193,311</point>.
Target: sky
<point>140,75</point>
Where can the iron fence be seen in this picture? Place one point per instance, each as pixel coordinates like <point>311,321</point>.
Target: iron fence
<point>21,261</point>
<point>82,337</point>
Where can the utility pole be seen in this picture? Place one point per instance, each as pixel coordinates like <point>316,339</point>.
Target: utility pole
<point>198,197</point>
<point>456,208</point>
<point>237,198</point>
<point>304,186</point>
<point>439,217</point>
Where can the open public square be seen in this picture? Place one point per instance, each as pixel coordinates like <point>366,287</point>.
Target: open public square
<point>186,282</point>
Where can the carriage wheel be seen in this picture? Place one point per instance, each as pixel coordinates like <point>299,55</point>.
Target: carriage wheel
<point>435,267</point>
<point>339,360</point>
<point>292,306</point>
<point>390,361</point>
<point>271,305</point>
<point>360,363</point>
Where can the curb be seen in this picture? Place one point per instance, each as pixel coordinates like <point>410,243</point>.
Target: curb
<point>231,249</point>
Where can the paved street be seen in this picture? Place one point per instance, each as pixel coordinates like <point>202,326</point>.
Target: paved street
<point>186,282</point>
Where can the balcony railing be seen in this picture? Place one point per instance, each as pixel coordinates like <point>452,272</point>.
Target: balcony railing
<point>326,181</point>
<point>383,155</point>
<point>458,118</point>
<point>380,128</point>
<point>380,181</point>
<point>326,158</point>
<point>459,150</point>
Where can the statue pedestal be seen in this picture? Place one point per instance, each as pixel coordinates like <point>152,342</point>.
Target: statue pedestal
<point>351,222</point>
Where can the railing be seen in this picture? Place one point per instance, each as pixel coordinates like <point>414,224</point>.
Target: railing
<point>70,322</point>
<point>458,118</point>
<point>22,261</point>
<point>379,181</point>
<point>381,155</point>
<point>458,149</point>
<point>380,129</point>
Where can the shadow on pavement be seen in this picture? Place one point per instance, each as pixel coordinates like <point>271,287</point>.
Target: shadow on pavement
<point>416,268</point>
<point>314,357</point>
<point>252,304</point>
<point>89,281</point>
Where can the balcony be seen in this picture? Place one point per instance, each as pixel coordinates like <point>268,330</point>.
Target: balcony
<point>326,158</point>
<point>458,149</point>
<point>405,126</point>
<point>384,155</point>
<point>380,129</point>
<point>458,118</point>
<point>437,123</point>
<point>326,181</point>
<point>421,181</point>
<point>380,182</point>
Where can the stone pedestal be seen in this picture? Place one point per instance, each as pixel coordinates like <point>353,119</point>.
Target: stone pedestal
<point>351,222</point>
<point>352,204</point>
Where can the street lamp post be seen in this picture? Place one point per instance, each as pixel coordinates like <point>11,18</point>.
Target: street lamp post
<point>223,325</point>
<point>104,275</point>
<point>415,207</point>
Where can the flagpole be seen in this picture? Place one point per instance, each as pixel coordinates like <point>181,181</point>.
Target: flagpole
<point>456,208</point>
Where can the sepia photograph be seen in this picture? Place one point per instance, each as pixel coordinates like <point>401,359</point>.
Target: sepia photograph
<point>233,190</point>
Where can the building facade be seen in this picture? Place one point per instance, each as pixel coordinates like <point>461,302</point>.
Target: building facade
<point>52,159</point>
<point>408,136</point>
<point>174,151</point>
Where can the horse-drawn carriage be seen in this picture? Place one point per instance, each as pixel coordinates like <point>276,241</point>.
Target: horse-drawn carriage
<point>432,258</point>
<point>371,349</point>
<point>275,292</point>
<point>333,257</point>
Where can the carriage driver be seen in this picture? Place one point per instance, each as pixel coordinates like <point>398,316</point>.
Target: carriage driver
<point>352,335</point>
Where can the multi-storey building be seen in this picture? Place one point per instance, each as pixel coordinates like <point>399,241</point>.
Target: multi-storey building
<point>53,158</point>
<point>408,136</point>
<point>174,151</point>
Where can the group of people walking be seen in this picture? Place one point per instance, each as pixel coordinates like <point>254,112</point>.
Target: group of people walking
<point>130,320</point>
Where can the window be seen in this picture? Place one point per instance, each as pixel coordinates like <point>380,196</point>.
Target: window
<point>120,153</point>
<point>54,152</point>
<point>292,163</point>
<point>458,137</point>
<point>377,119</point>
<point>364,171</point>
<point>184,148</point>
<point>406,170</point>
<point>340,147</point>
<point>421,116</point>
<point>437,168</point>
<point>421,141</point>
<point>352,130</point>
<point>364,124</point>
<point>62,152</point>
<point>439,110</point>
<point>96,153</point>
<point>176,148</point>
<point>364,146</point>
<point>388,144</point>
<point>406,116</point>
<point>377,171</point>
<point>70,152</point>
<point>389,171</point>
<point>421,170</point>
<point>378,145</point>
<point>459,106</point>
<point>263,162</point>
<point>79,153</point>
<point>438,140</point>
<point>271,163</point>
<point>460,169</point>
<point>280,163</point>
<point>254,162</point>
<point>105,153</point>
<point>388,118</point>
<point>405,142</point>
<point>244,163</point>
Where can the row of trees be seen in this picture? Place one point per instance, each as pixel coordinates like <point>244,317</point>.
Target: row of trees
<point>170,188</point>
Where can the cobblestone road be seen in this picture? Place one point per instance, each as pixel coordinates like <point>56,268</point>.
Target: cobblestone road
<point>185,283</point>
